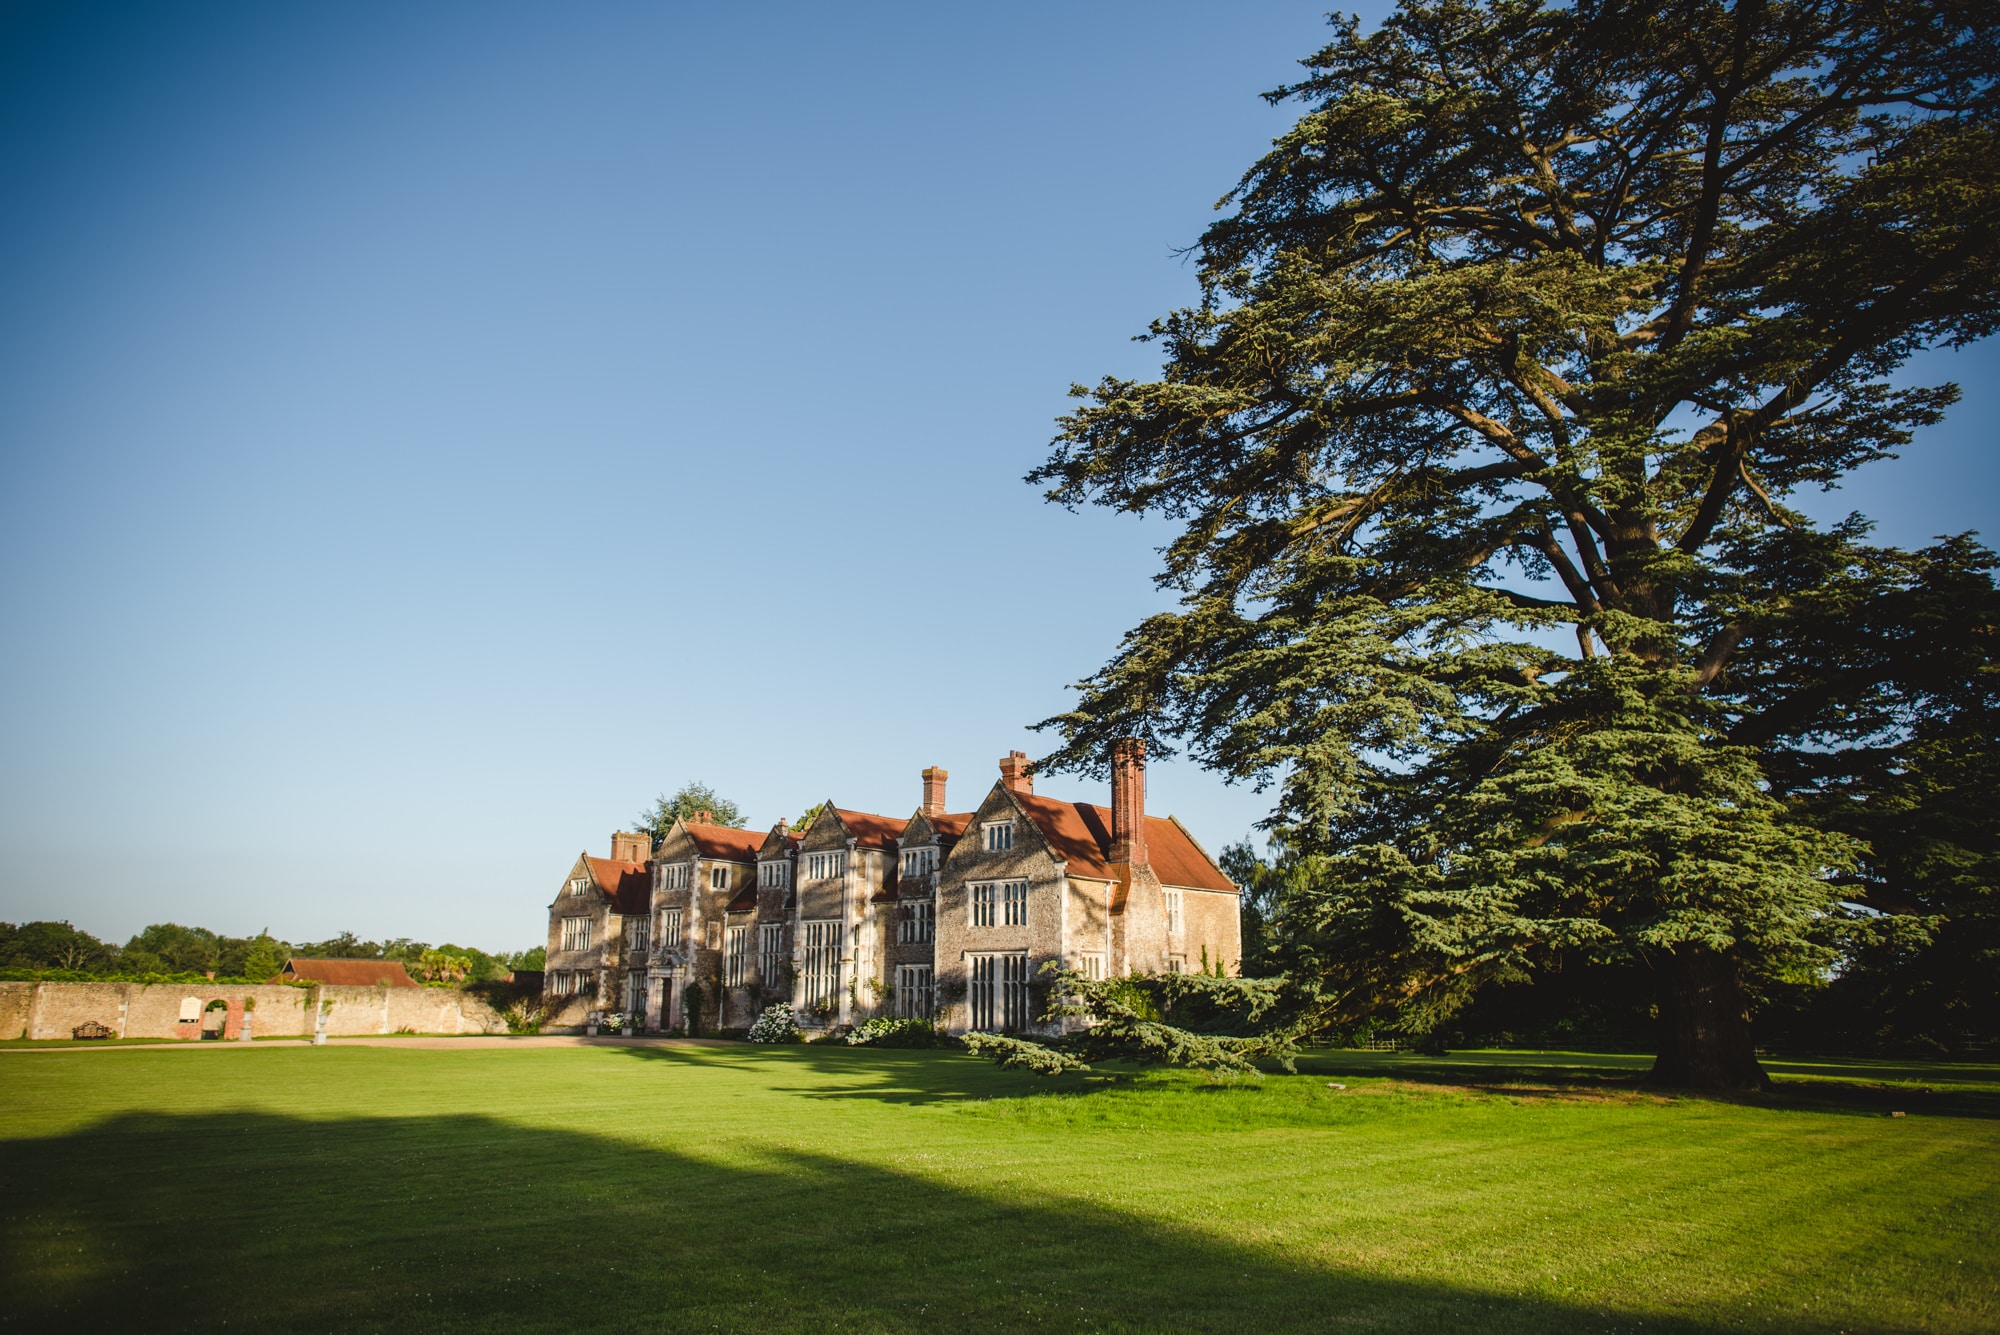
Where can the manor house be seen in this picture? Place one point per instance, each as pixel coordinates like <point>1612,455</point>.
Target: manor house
<point>944,915</point>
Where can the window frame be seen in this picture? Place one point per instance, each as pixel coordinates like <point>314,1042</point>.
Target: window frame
<point>998,991</point>
<point>821,940</point>
<point>736,956</point>
<point>999,835</point>
<point>916,991</point>
<point>1013,903</point>
<point>770,952</point>
<point>916,922</point>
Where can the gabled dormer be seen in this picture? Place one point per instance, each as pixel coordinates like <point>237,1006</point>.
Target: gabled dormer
<point>929,834</point>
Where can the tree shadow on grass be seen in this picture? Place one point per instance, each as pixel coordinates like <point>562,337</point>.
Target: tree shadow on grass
<point>1954,1096</point>
<point>454,1223</point>
<point>886,1075</point>
<point>891,1075</point>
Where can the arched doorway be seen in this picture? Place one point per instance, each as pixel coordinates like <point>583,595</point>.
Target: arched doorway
<point>214,1018</point>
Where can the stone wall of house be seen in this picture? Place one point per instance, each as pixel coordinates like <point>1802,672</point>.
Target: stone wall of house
<point>895,950</point>
<point>1140,929</point>
<point>153,1010</point>
<point>601,953</point>
<point>568,1014</point>
<point>871,923</point>
<point>1212,921</point>
<point>774,905</point>
<point>1087,926</point>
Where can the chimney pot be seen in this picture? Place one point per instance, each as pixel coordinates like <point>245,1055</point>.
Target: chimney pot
<point>703,818</point>
<point>1014,772</point>
<point>1128,801</point>
<point>934,778</point>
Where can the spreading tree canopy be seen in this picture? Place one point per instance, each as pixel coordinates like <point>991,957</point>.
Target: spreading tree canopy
<point>691,801</point>
<point>1482,441</point>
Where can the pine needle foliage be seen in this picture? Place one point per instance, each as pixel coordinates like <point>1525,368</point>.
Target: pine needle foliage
<point>1194,1020</point>
<point>1510,355</point>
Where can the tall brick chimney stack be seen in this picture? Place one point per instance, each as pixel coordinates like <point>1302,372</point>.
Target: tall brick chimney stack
<point>1128,801</point>
<point>934,790</point>
<point>631,847</point>
<point>1014,772</point>
<point>703,818</point>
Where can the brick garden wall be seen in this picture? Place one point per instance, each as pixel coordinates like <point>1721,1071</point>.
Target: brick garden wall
<point>152,1010</point>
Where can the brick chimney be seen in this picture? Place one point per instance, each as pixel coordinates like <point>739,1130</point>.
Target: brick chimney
<point>1128,801</point>
<point>1014,772</point>
<point>934,791</point>
<point>703,818</point>
<point>631,847</point>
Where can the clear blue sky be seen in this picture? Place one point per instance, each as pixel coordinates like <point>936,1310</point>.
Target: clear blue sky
<point>429,431</point>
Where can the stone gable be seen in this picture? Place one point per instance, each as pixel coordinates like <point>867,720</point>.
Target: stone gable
<point>971,863</point>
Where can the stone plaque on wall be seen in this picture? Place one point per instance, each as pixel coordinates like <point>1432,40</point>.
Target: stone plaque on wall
<point>190,1008</point>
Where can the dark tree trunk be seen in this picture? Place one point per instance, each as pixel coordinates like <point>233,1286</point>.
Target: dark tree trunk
<point>1704,1038</point>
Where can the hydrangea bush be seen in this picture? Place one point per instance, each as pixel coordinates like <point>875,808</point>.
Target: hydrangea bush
<point>889,1032</point>
<point>778,1024</point>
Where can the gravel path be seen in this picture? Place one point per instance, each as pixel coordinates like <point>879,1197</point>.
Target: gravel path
<point>452,1041</point>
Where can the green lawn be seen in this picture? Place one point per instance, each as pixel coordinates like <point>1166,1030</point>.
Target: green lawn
<point>349,1188</point>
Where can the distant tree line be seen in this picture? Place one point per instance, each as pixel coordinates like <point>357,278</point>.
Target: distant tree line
<point>169,950</point>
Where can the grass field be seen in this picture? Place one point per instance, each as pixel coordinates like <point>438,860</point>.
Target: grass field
<point>735,1188</point>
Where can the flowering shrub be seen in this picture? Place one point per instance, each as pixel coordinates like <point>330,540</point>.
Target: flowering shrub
<point>776,1025</point>
<point>886,1032</point>
<point>613,1022</point>
<point>526,1016</point>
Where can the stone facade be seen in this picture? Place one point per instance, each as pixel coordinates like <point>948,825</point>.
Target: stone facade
<point>951,916</point>
<point>845,869</point>
<point>698,872</point>
<point>597,926</point>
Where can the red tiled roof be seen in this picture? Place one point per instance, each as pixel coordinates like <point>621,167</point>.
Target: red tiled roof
<point>870,830</point>
<point>348,973</point>
<point>1080,834</point>
<point>726,842</point>
<point>628,884</point>
<point>945,827</point>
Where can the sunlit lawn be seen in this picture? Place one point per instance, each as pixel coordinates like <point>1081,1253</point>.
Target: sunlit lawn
<point>624,1188</point>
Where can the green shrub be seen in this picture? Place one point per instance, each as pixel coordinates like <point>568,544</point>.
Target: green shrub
<point>890,1032</point>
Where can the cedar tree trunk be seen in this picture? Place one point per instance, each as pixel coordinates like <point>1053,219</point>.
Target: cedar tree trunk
<point>1704,1038</point>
